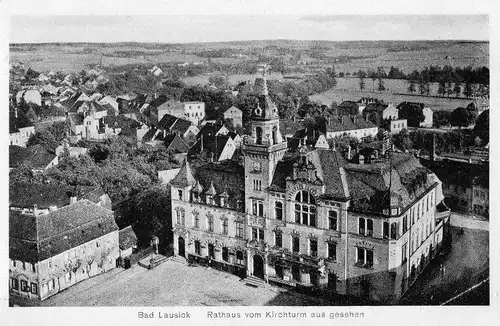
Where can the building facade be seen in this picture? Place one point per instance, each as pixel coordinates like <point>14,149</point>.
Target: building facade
<point>311,219</point>
<point>54,250</point>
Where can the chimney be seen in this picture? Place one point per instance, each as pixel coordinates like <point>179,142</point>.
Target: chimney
<point>72,200</point>
<point>349,152</point>
<point>52,208</point>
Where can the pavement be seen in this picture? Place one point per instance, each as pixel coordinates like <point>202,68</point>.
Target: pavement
<point>465,265</point>
<point>175,284</point>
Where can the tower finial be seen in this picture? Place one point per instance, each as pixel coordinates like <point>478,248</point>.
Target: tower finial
<point>263,68</point>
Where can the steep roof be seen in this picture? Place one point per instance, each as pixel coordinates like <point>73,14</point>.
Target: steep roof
<point>226,176</point>
<point>127,238</point>
<point>174,124</point>
<point>35,157</point>
<point>375,107</point>
<point>184,177</point>
<point>209,129</point>
<point>36,238</point>
<point>176,144</point>
<point>209,144</point>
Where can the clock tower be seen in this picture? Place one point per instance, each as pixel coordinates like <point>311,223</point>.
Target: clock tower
<point>262,150</point>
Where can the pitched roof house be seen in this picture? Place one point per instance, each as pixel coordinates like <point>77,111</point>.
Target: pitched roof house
<point>35,157</point>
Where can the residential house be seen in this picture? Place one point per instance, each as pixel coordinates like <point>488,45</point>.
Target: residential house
<point>111,101</point>
<point>127,240</point>
<point>29,96</point>
<point>20,128</point>
<point>155,71</point>
<point>349,126</point>
<point>35,157</point>
<point>52,251</point>
<point>213,148</point>
<point>170,124</point>
<point>379,112</point>
<point>211,129</point>
<point>234,114</point>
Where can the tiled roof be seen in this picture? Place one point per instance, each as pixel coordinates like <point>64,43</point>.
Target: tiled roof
<point>226,176</point>
<point>176,144</point>
<point>210,144</point>
<point>120,121</point>
<point>35,157</point>
<point>127,238</point>
<point>209,129</point>
<point>174,124</point>
<point>34,239</point>
<point>26,195</point>
<point>347,123</point>
<point>377,107</point>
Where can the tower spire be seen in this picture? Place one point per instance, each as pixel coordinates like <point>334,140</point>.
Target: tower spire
<point>263,68</point>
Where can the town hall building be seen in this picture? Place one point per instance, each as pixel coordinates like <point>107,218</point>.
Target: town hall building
<point>310,218</point>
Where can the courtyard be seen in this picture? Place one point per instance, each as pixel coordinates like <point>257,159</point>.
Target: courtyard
<point>175,284</point>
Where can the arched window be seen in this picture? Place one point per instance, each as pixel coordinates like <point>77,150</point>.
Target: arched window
<point>197,247</point>
<point>278,210</point>
<point>305,208</point>
<point>275,135</point>
<point>258,134</point>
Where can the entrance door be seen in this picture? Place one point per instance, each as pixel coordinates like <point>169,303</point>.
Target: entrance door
<point>182,249</point>
<point>332,282</point>
<point>258,266</point>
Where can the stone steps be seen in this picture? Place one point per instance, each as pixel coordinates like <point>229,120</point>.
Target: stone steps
<point>178,259</point>
<point>255,281</point>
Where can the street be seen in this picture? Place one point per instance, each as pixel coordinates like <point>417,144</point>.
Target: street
<point>466,265</point>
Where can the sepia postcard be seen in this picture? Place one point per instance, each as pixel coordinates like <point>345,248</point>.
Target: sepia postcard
<point>249,162</point>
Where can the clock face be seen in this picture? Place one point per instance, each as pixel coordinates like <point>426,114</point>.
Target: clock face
<point>257,166</point>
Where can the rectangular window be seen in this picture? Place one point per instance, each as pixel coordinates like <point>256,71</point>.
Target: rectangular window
<point>180,194</point>
<point>254,234</point>
<point>211,251</point>
<point>369,227</point>
<point>278,209</point>
<point>24,286</point>
<point>34,288</point>
<point>394,230</point>
<point>297,213</point>
<point>257,207</point>
<point>312,216</point>
<point>14,283</point>
<point>385,232</point>
<point>361,225</point>
<point>210,224</point>
<point>196,221</point>
<point>197,247</point>
<point>225,254</point>
<point>224,227</point>
<point>332,251</point>
<point>403,253</point>
<point>257,234</point>
<point>257,184</point>
<point>313,248</point>
<point>405,223</point>
<point>239,256</point>
<point>23,265</point>
<point>239,230</point>
<point>364,257</point>
<point>180,217</point>
<point>278,239</point>
<point>332,220</point>
<point>295,245</point>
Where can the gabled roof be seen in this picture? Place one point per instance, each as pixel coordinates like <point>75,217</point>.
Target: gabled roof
<point>76,118</point>
<point>174,124</point>
<point>176,144</point>
<point>210,129</point>
<point>375,107</point>
<point>209,144</point>
<point>35,157</point>
<point>36,238</point>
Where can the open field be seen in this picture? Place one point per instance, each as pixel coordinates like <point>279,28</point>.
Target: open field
<point>346,56</point>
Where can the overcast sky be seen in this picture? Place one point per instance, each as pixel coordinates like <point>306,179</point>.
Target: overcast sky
<point>208,28</point>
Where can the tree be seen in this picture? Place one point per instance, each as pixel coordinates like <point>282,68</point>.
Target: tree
<point>482,127</point>
<point>45,138</point>
<point>402,140</point>
<point>361,76</point>
<point>411,86</point>
<point>441,118</point>
<point>412,113</point>
<point>457,89</point>
<point>219,81</point>
<point>467,91</point>
<point>442,88</point>
<point>373,75</point>
<point>449,89</point>
<point>461,117</point>
<point>381,86</point>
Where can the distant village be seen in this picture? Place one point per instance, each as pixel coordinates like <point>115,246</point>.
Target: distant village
<point>353,198</point>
